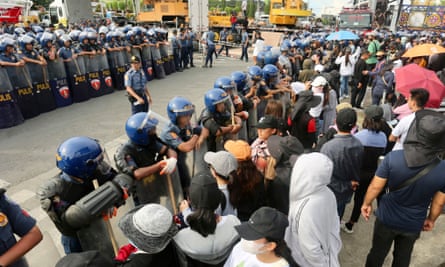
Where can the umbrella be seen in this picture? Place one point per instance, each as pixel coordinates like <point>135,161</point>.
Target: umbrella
<point>424,50</point>
<point>413,76</point>
<point>342,35</point>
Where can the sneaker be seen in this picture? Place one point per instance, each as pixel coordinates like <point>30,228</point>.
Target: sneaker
<point>346,228</point>
<point>210,65</point>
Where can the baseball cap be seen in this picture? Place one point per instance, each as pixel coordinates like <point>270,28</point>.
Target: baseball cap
<point>264,222</point>
<point>239,149</point>
<point>204,192</point>
<point>319,81</point>
<point>267,121</point>
<point>223,162</point>
<point>374,112</point>
<point>346,119</point>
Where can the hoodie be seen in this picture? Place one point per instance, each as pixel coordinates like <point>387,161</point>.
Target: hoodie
<point>308,72</point>
<point>313,234</point>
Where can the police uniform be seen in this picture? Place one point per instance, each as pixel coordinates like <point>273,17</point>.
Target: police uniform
<point>173,136</point>
<point>130,157</point>
<point>213,122</point>
<point>136,80</point>
<point>191,38</point>
<point>67,52</point>
<point>32,54</point>
<point>59,193</point>
<point>184,50</point>
<point>13,220</point>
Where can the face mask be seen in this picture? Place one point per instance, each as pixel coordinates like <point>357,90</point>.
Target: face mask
<point>252,247</point>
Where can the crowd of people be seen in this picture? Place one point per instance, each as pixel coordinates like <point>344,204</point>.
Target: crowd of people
<point>278,153</point>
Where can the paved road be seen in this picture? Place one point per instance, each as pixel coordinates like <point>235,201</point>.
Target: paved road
<point>28,158</point>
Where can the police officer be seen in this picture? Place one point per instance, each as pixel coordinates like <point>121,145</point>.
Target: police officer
<point>181,136</point>
<point>48,49</point>
<point>27,51</point>
<point>142,158</point>
<point>135,84</point>
<point>16,221</point>
<point>223,34</point>
<point>190,39</point>
<point>184,50</point>
<point>176,48</point>
<point>82,162</point>
<point>7,55</point>
<point>66,51</point>
<point>217,119</point>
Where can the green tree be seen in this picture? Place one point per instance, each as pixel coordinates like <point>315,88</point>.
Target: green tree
<point>251,8</point>
<point>266,6</point>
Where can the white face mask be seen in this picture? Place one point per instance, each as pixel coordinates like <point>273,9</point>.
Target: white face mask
<point>252,247</point>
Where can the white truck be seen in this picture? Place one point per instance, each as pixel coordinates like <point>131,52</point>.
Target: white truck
<point>198,15</point>
<point>70,11</point>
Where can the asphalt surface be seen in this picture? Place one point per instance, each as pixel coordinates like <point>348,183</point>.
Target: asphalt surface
<point>28,158</point>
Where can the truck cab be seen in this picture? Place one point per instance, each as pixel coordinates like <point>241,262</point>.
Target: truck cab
<point>286,12</point>
<point>70,11</point>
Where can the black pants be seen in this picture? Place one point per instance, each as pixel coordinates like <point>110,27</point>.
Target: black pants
<point>359,196</point>
<point>357,94</point>
<point>222,48</point>
<point>381,243</point>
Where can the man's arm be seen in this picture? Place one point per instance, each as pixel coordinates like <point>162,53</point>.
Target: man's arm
<point>25,244</point>
<point>374,189</point>
<point>435,210</point>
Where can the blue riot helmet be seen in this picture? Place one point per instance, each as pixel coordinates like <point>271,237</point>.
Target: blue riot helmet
<point>270,58</point>
<point>83,36</point>
<point>240,79</point>
<point>24,40</point>
<point>130,34</point>
<point>81,156</point>
<point>103,29</point>
<point>19,31</point>
<point>270,71</point>
<point>5,42</point>
<point>139,128</point>
<point>45,38</point>
<point>137,30</point>
<point>260,58</point>
<point>285,45</point>
<point>255,73</point>
<point>64,38</point>
<point>213,97</point>
<point>36,29</point>
<point>224,83</point>
<point>59,32</point>
<point>31,34</point>
<point>179,106</point>
<point>74,35</point>
<point>92,35</point>
<point>110,36</point>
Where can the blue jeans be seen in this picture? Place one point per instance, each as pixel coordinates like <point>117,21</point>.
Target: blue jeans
<point>344,85</point>
<point>190,55</point>
<point>71,244</point>
<point>209,56</point>
<point>376,98</point>
<point>244,53</point>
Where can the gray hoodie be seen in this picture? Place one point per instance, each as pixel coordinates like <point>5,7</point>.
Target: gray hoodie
<point>313,234</point>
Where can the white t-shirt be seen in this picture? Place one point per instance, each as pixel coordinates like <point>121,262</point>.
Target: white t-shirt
<point>259,46</point>
<point>240,258</point>
<point>401,130</point>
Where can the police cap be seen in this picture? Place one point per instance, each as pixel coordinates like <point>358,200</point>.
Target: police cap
<point>135,59</point>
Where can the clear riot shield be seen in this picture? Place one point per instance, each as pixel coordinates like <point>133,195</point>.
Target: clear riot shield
<point>163,49</point>
<point>77,79</point>
<point>93,76</point>
<point>40,83</point>
<point>113,60</point>
<point>106,81</point>
<point>121,57</point>
<point>158,64</point>
<point>147,63</point>
<point>23,89</point>
<point>59,83</point>
<point>11,114</point>
<point>171,61</point>
<point>136,52</point>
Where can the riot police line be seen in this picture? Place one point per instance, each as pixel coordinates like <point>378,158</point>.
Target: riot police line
<point>30,89</point>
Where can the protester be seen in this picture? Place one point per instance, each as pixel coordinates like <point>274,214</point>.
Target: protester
<point>244,44</point>
<point>359,81</point>
<point>247,193</point>
<point>266,127</point>
<point>262,241</point>
<point>210,237</point>
<point>222,166</point>
<point>313,234</point>
<point>347,62</point>
<point>346,152</point>
<point>413,178</point>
